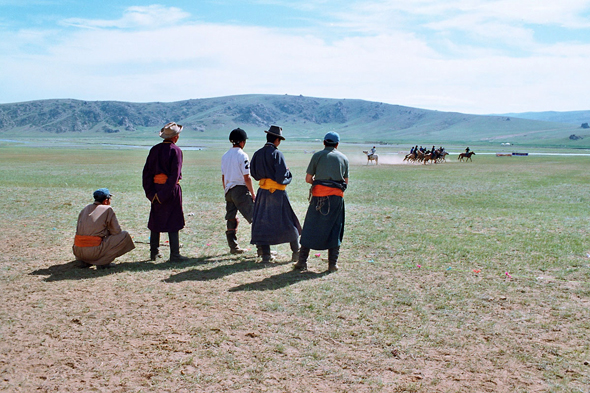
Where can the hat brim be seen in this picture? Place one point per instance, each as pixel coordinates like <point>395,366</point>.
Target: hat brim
<point>169,133</point>
<point>272,133</point>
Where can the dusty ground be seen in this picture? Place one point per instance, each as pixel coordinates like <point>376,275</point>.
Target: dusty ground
<point>415,307</point>
<point>221,323</point>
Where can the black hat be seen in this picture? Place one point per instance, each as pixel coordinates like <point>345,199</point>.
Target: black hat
<point>238,135</point>
<point>276,131</point>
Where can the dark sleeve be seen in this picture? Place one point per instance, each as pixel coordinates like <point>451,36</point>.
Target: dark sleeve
<point>282,173</point>
<point>148,178</point>
<point>254,166</point>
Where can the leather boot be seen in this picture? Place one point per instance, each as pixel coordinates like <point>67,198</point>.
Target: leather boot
<point>294,251</point>
<point>232,242</point>
<point>155,246</point>
<point>302,262</point>
<point>267,256</point>
<point>333,254</point>
<point>175,248</point>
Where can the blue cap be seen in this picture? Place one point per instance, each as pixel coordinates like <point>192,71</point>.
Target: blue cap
<point>101,194</point>
<point>332,137</point>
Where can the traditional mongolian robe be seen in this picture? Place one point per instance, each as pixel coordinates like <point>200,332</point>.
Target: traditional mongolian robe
<point>161,176</point>
<point>274,220</point>
<point>324,222</point>
<point>99,239</point>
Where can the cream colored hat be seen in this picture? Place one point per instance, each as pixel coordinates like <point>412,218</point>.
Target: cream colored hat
<point>170,130</point>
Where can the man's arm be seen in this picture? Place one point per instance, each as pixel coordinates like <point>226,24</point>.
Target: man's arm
<point>223,180</point>
<point>309,178</point>
<point>248,181</point>
<point>112,223</point>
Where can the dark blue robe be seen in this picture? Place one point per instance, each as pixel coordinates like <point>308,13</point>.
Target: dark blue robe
<point>166,213</point>
<point>274,221</point>
<point>324,223</point>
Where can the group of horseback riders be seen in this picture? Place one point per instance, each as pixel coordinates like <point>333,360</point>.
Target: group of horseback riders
<point>423,154</point>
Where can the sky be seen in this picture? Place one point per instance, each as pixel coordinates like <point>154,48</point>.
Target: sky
<point>470,56</point>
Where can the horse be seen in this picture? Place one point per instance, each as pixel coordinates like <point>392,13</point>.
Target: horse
<point>410,157</point>
<point>466,156</point>
<point>427,157</point>
<point>371,157</point>
<point>442,157</point>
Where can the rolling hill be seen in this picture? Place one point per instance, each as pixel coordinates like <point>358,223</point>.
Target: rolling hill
<point>301,118</point>
<point>571,117</point>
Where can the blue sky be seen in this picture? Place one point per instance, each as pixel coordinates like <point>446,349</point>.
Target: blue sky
<point>471,56</point>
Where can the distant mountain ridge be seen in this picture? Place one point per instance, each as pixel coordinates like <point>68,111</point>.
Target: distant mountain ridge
<point>570,117</point>
<point>301,117</point>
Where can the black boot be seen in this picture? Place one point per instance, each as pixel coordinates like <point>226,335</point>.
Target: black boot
<point>155,246</point>
<point>266,254</point>
<point>175,248</point>
<point>302,262</point>
<point>232,242</point>
<point>333,254</point>
<point>294,251</point>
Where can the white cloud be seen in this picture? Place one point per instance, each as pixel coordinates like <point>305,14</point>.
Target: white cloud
<point>134,17</point>
<point>499,19</point>
<point>136,58</point>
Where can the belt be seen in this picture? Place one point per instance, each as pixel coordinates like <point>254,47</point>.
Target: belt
<point>87,241</point>
<point>271,185</point>
<point>321,191</point>
<point>162,178</point>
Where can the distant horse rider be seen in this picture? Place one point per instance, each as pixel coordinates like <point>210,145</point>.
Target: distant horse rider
<point>372,151</point>
<point>467,150</point>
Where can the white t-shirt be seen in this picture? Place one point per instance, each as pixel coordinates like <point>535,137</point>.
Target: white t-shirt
<point>234,165</point>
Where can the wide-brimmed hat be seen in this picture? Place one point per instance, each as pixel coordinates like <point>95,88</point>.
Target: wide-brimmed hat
<point>276,131</point>
<point>170,130</point>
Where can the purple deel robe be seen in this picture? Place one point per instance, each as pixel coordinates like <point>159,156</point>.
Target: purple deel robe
<point>166,213</point>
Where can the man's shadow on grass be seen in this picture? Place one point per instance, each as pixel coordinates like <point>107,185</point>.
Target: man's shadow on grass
<point>279,281</point>
<point>73,270</point>
<point>217,272</point>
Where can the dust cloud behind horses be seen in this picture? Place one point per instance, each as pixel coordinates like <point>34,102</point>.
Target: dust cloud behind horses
<point>384,159</point>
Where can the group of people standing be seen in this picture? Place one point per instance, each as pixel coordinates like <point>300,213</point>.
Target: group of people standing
<point>268,210</point>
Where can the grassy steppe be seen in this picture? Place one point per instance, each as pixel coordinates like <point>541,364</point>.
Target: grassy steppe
<point>459,277</point>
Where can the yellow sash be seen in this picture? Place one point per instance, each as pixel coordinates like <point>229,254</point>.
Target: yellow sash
<point>271,185</point>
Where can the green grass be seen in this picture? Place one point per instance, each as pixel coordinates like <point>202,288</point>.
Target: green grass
<point>224,323</point>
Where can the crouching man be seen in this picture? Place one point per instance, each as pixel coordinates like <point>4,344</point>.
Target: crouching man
<point>99,238</point>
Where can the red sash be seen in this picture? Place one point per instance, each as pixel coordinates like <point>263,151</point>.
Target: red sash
<point>87,241</point>
<point>160,178</point>
<point>321,191</point>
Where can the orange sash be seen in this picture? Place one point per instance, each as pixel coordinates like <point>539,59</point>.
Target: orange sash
<point>160,178</point>
<point>87,241</point>
<point>321,191</point>
<point>271,185</point>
